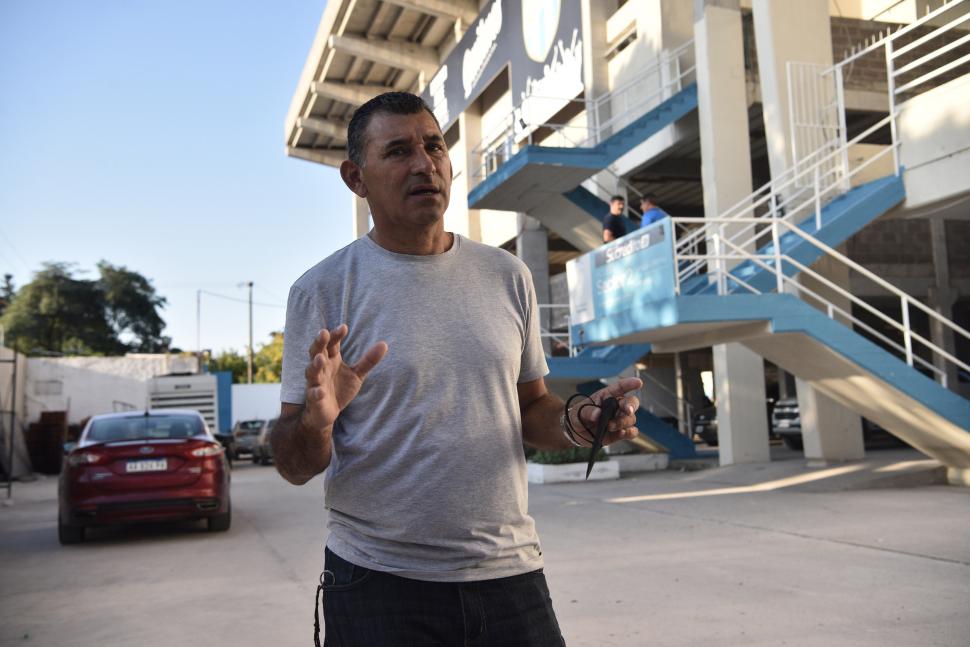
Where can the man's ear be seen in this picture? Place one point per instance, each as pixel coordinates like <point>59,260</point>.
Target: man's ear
<point>351,174</point>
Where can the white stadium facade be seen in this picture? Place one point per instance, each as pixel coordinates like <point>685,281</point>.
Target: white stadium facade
<point>813,157</point>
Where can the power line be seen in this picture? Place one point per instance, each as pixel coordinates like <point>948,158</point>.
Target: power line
<point>270,293</point>
<point>238,300</point>
<point>15,251</point>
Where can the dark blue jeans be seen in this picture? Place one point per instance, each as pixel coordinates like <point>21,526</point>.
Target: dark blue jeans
<point>365,608</point>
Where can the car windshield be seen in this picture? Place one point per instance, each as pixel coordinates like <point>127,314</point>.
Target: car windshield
<point>145,427</point>
<point>251,425</point>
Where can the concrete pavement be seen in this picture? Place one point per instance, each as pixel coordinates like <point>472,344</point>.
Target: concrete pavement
<point>768,554</point>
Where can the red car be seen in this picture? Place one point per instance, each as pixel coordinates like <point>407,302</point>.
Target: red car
<point>152,465</point>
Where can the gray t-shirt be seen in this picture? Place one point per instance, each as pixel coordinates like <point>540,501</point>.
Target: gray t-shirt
<point>428,476</point>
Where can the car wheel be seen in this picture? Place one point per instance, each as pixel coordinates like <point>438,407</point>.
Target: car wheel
<point>220,522</point>
<point>792,442</point>
<point>69,534</point>
<point>255,458</point>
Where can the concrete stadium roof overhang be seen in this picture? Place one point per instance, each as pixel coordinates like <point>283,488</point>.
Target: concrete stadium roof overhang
<point>363,48</point>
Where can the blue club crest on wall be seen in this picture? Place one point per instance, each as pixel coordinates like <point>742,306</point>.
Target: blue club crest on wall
<point>540,22</point>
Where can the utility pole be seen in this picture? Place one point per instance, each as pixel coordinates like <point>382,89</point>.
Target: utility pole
<point>249,362</point>
<point>198,328</point>
<point>13,420</point>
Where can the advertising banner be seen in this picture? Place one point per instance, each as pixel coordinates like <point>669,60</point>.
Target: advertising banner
<point>634,270</point>
<point>539,40</point>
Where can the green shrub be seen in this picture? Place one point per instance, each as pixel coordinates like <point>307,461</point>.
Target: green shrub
<point>561,456</point>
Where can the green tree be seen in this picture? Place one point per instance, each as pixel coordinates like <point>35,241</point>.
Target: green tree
<point>7,292</point>
<point>229,360</point>
<point>131,307</point>
<point>268,361</point>
<point>57,312</point>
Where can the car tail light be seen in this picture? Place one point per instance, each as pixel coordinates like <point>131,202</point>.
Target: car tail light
<point>207,450</point>
<point>84,458</point>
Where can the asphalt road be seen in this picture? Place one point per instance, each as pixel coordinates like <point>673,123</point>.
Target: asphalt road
<point>749,555</point>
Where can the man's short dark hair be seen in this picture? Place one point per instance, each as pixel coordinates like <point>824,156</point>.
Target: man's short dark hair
<point>617,197</point>
<point>398,103</point>
<point>652,197</point>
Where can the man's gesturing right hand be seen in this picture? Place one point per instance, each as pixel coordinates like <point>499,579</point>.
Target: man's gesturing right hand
<point>332,383</point>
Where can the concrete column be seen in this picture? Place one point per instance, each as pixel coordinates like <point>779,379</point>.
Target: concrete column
<point>830,431</point>
<point>361,216</point>
<point>801,32</point>
<point>739,379</point>
<point>786,31</point>
<point>683,414</point>
<point>470,129</point>
<point>532,246</point>
<point>941,298</point>
<point>596,74</point>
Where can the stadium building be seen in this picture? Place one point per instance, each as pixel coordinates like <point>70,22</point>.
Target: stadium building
<point>813,158</point>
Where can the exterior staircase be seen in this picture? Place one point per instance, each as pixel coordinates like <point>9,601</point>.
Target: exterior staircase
<point>746,276</point>
<point>544,181</point>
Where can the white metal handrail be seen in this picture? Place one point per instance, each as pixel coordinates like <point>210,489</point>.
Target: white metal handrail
<point>780,200</point>
<point>688,412</point>
<point>562,338</point>
<point>880,43</point>
<point>500,143</point>
<point>831,308</point>
<point>774,262</point>
<point>825,169</point>
<point>816,178</point>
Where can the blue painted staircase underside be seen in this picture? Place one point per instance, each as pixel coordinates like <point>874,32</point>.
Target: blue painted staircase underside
<point>595,363</point>
<point>523,181</point>
<point>677,445</point>
<point>855,358</point>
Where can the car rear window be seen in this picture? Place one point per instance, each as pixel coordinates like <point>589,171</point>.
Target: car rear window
<point>251,424</point>
<point>142,427</point>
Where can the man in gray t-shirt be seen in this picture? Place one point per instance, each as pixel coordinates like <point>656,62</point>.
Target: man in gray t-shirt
<point>412,375</point>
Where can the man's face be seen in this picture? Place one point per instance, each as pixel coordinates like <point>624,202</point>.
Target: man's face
<point>645,205</point>
<point>406,177</point>
<point>616,207</point>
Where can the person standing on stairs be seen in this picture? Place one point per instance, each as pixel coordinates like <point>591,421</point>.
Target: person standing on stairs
<point>614,224</point>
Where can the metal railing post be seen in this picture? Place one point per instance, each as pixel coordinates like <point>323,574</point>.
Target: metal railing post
<point>843,129</point>
<point>907,332</point>
<point>721,262</point>
<point>673,245</point>
<point>818,201</point>
<point>792,109</point>
<point>776,243</point>
<point>891,82</point>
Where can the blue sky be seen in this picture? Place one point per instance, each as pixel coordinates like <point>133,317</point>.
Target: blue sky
<point>150,134</point>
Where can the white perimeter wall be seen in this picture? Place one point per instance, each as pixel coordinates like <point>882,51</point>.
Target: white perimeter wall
<point>87,386</point>
<point>255,401</point>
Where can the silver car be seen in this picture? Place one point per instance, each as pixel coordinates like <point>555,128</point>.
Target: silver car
<point>262,449</point>
<point>244,434</point>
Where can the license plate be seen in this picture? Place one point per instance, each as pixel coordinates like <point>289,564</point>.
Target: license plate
<point>159,465</point>
<point>784,424</point>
